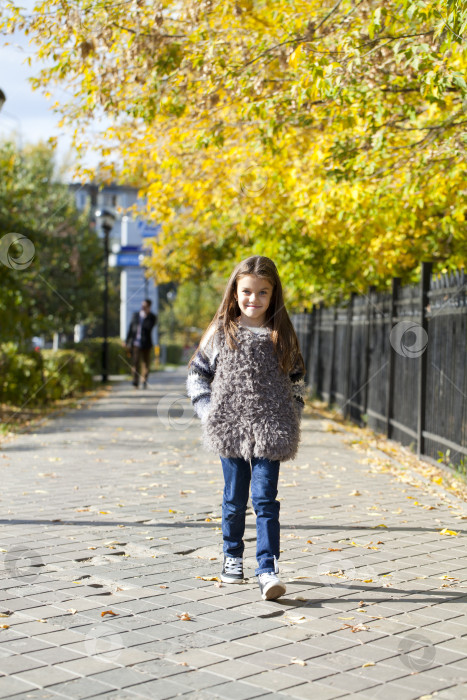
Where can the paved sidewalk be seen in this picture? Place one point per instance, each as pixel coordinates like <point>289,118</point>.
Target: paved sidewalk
<point>111,533</point>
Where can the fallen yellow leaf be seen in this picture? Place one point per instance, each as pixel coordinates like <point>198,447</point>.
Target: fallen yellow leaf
<point>448,532</point>
<point>184,616</point>
<point>208,578</point>
<point>108,612</point>
<point>356,628</point>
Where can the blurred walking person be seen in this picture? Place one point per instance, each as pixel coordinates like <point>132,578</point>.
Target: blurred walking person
<point>139,342</point>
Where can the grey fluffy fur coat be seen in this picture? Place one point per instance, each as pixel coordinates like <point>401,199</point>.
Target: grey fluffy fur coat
<point>252,411</point>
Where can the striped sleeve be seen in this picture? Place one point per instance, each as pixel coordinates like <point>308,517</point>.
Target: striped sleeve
<point>297,377</point>
<point>200,375</point>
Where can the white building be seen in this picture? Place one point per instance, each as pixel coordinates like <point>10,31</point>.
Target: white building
<point>128,240</point>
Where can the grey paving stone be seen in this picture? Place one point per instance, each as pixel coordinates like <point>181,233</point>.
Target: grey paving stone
<point>158,689</point>
<point>387,671</point>
<point>234,691</point>
<point>452,673</point>
<point>273,680</point>
<point>234,670</point>
<point>231,650</point>
<point>54,655</point>
<point>80,688</point>
<point>196,658</point>
<point>12,665</point>
<point>10,686</point>
<point>352,681</point>
<point>458,645</point>
<point>59,637</point>
<point>87,666</point>
<point>41,694</point>
<point>310,691</point>
<point>123,677</point>
<point>197,679</point>
<point>420,685</point>
<point>45,676</point>
<point>451,693</point>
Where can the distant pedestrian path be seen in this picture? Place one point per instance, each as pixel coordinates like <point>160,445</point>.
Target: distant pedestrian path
<point>111,545</point>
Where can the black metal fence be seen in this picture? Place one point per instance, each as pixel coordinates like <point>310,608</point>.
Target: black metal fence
<point>396,362</point>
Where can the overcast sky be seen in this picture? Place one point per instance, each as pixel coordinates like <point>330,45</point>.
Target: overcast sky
<point>27,115</point>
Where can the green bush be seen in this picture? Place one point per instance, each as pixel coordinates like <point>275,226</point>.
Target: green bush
<point>174,355</point>
<point>118,362</point>
<point>41,376</point>
<point>20,375</point>
<point>65,373</point>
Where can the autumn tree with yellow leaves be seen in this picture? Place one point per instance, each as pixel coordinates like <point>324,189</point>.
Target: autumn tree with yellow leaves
<point>329,136</point>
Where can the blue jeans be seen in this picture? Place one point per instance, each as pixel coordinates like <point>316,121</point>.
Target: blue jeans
<point>264,475</point>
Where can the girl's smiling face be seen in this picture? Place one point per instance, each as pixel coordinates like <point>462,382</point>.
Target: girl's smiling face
<point>254,295</point>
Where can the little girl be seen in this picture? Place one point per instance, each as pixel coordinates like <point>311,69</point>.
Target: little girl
<point>246,384</point>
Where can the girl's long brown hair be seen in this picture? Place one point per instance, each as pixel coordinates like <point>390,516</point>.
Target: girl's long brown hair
<point>283,334</point>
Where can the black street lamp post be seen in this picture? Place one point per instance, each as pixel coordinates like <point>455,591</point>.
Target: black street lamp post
<point>107,219</point>
<point>2,99</point>
<point>171,295</point>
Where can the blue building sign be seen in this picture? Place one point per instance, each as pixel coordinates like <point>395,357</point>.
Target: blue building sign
<point>127,259</point>
<point>147,231</point>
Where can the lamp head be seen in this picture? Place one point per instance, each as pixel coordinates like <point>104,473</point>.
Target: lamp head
<point>107,218</point>
<point>2,99</point>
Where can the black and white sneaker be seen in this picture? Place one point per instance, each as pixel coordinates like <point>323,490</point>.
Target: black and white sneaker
<point>270,586</point>
<point>232,571</point>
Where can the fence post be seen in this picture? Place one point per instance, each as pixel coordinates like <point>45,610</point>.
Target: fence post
<point>424,289</point>
<point>396,282</point>
<point>319,374</point>
<point>348,340</point>
<point>333,355</point>
<point>311,351</point>
<point>305,341</point>
<point>367,347</point>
